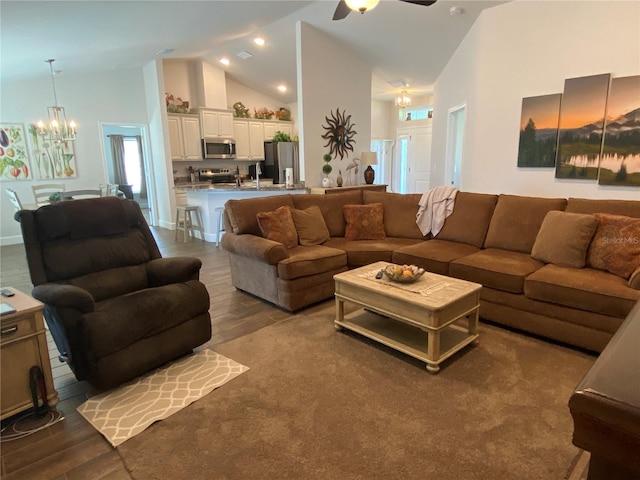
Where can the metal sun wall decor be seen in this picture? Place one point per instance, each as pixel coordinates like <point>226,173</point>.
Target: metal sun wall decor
<point>339,134</point>
<point>581,125</point>
<point>14,164</point>
<point>620,163</point>
<point>539,131</point>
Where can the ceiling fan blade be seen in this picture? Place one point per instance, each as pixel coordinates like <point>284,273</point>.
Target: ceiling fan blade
<point>342,10</point>
<point>424,3</point>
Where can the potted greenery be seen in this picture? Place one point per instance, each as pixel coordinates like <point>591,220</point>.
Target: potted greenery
<point>326,169</point>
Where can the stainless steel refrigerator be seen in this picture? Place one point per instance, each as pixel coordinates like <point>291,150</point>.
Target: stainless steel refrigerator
<point>279,156</point>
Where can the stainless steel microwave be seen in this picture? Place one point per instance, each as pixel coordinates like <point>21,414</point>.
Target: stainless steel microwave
<point>219,148</point>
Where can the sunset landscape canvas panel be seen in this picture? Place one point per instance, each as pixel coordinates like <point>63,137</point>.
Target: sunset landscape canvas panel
<point>582,113</point>
<point>620,163</point>
<point>539,131</point>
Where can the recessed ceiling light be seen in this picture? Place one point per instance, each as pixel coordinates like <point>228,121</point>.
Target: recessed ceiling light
<point>244,54</point>
<point>282,88</point>
<point>258,41</point>
<point>225,61</point>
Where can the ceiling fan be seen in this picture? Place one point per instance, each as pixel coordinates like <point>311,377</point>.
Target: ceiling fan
<point>346,6</point>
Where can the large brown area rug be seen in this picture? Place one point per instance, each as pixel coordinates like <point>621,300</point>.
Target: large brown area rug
<point>322,404</point>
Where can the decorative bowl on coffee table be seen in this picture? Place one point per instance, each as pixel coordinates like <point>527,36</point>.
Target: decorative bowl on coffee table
<point>403,273</point>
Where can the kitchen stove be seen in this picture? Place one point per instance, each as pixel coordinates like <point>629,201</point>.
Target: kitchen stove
<point>216,175</point>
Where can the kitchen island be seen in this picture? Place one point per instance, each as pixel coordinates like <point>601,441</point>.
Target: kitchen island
<point>210,197</point>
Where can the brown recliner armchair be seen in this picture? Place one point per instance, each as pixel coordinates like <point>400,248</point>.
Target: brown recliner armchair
<point>115,307</point>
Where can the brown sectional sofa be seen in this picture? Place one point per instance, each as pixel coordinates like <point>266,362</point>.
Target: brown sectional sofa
<point>487,239</point>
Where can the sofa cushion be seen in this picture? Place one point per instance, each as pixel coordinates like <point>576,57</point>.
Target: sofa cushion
<point>516,221</point>
<point>495,268</point>
<point>310,225</point>
<point>399,212</point>
<point>364,252</point>
<point>278,226</point>
<point>564,238</point>
<point>331,207</point>
<point>364,222</point>
<point>585,289</point>
<point>629,208</point>
<point>242,214</point>
<point>616,244</point>
<point>470,219</point>
<point>310,260</point>
<point>433,255</point>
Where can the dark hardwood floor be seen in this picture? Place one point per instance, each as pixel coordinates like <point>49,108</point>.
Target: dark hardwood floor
<point>72,449</point>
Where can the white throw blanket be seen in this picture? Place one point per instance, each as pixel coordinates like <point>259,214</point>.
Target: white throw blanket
<point>434,207</point>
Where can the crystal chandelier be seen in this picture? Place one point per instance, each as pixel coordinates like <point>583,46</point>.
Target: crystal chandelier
<point>57,132</point>
<point>403,100</point>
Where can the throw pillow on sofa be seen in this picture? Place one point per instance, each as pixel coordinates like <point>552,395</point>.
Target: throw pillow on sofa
<point>616,245</point>
<point>364,222</point>
<point>310,225</point>
<point>564,238</point>
<point>278,226</point>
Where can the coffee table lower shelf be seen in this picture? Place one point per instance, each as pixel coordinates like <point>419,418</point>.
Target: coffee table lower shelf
<point>407,338</point>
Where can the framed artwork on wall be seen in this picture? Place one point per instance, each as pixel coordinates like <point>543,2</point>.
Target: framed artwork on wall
<point>52,161</point>
<point>582,113</point>
<point>620,163</point>
<point>14,160</point>
<point>539,131</point>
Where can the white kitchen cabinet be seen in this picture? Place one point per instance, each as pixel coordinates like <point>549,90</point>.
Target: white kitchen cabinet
<point>184,137</point>
<point>270,129</point>
<point>216,123</point>
<point>256,141</point>
<point>241,135</point>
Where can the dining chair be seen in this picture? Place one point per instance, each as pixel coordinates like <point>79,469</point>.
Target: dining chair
<point>15,200</point>
<point>42,193</point>
<point>109,189</point>
<point>79,194</point>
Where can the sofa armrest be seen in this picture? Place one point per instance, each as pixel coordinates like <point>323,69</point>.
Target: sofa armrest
<point>252,246</point>
<point>64,296</point>
<point>164,271</point>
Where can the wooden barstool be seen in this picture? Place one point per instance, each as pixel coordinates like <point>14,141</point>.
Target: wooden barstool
<point>219,223</point>
<point>188,226</point>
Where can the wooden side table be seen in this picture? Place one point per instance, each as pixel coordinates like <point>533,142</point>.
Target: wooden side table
<point>23,344</point>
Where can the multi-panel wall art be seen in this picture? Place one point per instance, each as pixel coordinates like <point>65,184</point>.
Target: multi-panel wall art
<point>539,131</point>
<point>620,162</point>
<point>596,135</point>
<point>581,124</point>
<point>14,162</point>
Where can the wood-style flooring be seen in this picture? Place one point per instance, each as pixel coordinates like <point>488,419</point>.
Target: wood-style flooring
<point>73,449</point>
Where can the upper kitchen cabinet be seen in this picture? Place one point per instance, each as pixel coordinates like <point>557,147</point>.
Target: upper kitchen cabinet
<point>249,136</point>
<point>270,128</point>
<point>216,123</point>
<point>184,136</point>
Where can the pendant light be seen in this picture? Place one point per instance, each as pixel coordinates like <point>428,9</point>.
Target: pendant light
<point>57,131</point>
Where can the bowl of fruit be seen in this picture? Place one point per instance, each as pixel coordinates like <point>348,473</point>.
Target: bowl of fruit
<point>403,273</point>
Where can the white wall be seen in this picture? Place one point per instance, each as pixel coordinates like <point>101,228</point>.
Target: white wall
<point>522,49</point>
<point>238,92</point>
<point>111,97</point>
<point>329,77</point>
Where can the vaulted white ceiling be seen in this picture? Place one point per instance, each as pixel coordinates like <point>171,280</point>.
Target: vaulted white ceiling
<point>401,41</point>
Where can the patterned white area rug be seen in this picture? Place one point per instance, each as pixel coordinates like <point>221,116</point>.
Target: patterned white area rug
<point>121,413</point>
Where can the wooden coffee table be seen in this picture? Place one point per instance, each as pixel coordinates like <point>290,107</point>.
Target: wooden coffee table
<point>430,319</point>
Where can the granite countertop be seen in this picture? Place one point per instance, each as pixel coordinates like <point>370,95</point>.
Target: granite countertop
<point>204,187</point>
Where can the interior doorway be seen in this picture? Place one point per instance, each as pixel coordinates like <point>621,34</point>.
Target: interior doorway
<point>455,142</point>
<point>126,159</point>
<point>412,162</point>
